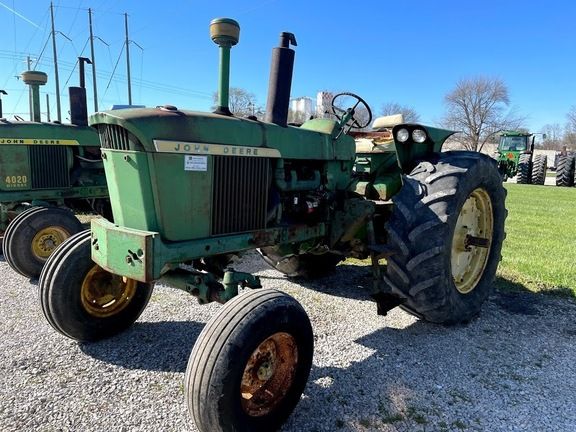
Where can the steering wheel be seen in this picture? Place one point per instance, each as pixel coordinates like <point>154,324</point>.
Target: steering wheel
<point>353,121</point>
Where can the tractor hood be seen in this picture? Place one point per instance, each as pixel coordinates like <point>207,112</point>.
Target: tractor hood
<point>32,133</point>
<point>169,130</point>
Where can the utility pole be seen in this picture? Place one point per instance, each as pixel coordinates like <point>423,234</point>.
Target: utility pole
<point>47,107</point>
<point>29,66</point>
<point>128,60</point>
<point>93,61</point>
<point>58,109</point>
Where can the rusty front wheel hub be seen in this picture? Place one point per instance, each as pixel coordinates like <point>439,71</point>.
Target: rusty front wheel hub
<point>269,374</point>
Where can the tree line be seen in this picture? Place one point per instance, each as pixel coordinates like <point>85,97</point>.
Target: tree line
<point>478,107</point>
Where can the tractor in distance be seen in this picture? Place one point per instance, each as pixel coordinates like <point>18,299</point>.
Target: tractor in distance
<point>516,157</point>
<point>47,169</point>
<point>189,189</point>
<point>565,168</point>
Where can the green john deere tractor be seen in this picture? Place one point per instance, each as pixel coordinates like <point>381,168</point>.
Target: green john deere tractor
<point>46,169</point>
<point>189,189</point>
<point>516,157</point>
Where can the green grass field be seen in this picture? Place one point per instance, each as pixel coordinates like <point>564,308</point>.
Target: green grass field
<point>539,253</point>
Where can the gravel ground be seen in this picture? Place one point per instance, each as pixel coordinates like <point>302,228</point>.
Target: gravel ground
<point>512,369</point>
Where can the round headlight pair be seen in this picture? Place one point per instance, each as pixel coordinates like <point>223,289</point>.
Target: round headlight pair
<point>418,135</point>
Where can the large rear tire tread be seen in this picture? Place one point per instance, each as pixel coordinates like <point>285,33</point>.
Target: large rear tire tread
<point>421,229</point>
<point>524,169</point>
<point>565,171</point>
<point>539,167</point>
<point>214,372</point>
<point>60,294</point>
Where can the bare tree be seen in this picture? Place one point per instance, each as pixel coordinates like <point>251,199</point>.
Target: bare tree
<point>554,137</point>
<point>572,118</point>
<point>478,107</point>
<point>409,114</point>
<point>241,103</point>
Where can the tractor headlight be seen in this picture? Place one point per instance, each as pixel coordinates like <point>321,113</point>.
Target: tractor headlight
<point>402,135</point>
<point>419,135</point>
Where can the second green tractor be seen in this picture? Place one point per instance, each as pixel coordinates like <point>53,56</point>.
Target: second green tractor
<point>516,158</point>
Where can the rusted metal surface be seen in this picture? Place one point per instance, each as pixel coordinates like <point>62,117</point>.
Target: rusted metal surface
<point>269,374</point>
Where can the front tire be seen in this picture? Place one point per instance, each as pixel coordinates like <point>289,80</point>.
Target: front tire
<point>447,226</point>
<point>34,235</point>
<point>250,364</point>
<point>83,301</point>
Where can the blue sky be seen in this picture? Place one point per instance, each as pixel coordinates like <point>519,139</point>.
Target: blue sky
<point>407,52</point>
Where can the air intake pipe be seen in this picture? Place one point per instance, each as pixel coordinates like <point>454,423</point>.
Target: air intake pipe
<point>280,80</point>
<point>225,33</point>
<point>78,105</point>
<point>35,79</point>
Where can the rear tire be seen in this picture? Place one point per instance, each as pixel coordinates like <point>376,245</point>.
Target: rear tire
<point>83,301</point>
<point>445,204</point>
<point>308,266</point>
<point>250,364</point>
<point>539,167</point>
<point>565,171</point>
<point>34,235</point>
<point>524,169</point>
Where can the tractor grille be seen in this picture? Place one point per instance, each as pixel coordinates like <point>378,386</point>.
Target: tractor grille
<point>113,137</point>
<point>240,193</point>
<point>49,166</point>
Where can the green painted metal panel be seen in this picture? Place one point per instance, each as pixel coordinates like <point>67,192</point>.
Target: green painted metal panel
<point>182,196</point>
<point>130,189</point>
<point>144,256</point>
<point>31,133</point>
<point>408,152</point>
<point>148,125</point>
<point>14,168</point>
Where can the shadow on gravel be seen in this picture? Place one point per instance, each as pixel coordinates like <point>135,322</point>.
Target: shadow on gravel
<point>425,376</point>
<point>347,281</point>
<point>154,346</point>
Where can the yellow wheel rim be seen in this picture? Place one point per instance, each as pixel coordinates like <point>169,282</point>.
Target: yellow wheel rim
<point>47,240</point>
<point>472,241</point>
<point>104,294</point>
<point>269,374</point>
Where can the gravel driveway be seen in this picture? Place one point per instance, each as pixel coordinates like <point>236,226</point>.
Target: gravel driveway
<point>511,370</point>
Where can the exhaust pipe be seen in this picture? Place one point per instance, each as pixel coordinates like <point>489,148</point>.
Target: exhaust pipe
<point>280,80</point>
<point>78,104</point>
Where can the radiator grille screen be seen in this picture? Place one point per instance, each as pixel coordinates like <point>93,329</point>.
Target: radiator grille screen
<point>240,193</point>
<point>113,137</point>
<point>49,166</point>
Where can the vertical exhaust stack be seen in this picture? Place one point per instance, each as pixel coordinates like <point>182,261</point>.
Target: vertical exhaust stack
<point>35,79</point>
<point>78,104</point>
<point>225,33</point>
<point>280,80</point>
